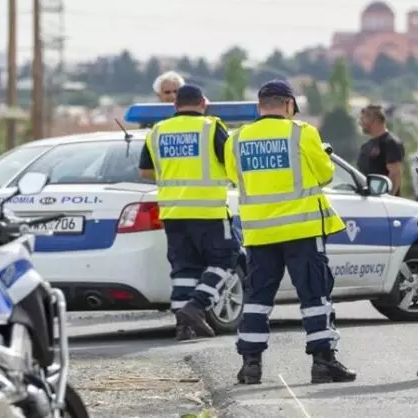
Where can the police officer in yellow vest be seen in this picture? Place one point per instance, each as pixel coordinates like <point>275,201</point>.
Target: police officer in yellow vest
<point>185,154</point>
<point>279,166</point>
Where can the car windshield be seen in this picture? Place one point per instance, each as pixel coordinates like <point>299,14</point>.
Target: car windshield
<point>91,162</point>
<point>12,162</point>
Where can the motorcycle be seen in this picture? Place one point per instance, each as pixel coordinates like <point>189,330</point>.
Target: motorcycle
<point>34,352</point>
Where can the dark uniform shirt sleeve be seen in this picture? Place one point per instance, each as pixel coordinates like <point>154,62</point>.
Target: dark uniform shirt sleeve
<point>145,161</point>
<point>221,135</point>
<point>395,151</point>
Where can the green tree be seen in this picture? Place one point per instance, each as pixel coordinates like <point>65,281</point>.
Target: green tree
<point>308,62</point>
<point>396,91</point>
<point>385,68</point>
<point>202,68</point>
<point>408,133</point>
<point>339,129</point>
<point>235,51</point>
<point>235,79</point>
<point>358,72</point>
<point>277,61</point>
<point>151,72</point>
<point>184,64</point>
<point>125,73</point>
<point>340,84</point>
<point>314,98</point>
<point>411,66</point>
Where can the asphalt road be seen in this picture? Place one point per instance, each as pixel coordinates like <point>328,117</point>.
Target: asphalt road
<point>383,353</point>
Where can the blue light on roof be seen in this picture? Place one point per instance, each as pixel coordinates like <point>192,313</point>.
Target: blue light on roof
<point>227,111</point>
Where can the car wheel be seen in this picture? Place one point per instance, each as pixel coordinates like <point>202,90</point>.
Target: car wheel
<point>406,292</point>
<point>226,314</point>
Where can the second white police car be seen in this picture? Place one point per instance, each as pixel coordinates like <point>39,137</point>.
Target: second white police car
<point>109,252</point>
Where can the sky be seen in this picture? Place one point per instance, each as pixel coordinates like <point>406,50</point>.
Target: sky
<point>192,27</point>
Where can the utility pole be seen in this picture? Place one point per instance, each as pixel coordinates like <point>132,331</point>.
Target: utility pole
<point>53,37</point>
<point>37,71</point>
<point>12,77</point>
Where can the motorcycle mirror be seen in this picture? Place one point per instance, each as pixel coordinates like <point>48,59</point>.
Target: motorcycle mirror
<point>32,183</point>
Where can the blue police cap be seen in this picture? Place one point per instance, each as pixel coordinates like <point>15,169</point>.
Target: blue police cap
<point>277,88</point>
<point>189,92</point>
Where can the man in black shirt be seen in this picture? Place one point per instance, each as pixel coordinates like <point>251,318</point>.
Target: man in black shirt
<point>383,153</point>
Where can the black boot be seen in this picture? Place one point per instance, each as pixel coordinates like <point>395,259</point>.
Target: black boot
<point>184,332</point>
<point>196,319</point>
<point>327,369</point>
<point>251,370</point>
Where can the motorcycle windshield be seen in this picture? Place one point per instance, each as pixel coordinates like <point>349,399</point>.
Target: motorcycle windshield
<point>6,305</point>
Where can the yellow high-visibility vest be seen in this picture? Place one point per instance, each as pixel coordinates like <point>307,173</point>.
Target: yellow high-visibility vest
<point>279,167</point>
<point>192,183</point>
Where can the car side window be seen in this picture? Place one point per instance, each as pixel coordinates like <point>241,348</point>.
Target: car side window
<point>342,182</point>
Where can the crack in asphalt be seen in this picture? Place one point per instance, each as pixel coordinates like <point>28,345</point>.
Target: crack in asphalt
<point>220,399</point>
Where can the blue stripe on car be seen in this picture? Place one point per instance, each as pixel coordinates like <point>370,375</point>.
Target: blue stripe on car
<point>98,235</point>
<point>377,231</point>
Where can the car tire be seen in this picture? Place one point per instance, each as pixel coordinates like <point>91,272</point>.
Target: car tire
<point>224,319</point>
<point>393,307</point>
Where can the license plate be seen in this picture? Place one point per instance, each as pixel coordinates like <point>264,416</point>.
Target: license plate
<point>67,225</point>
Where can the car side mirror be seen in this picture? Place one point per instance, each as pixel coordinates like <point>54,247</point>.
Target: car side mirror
<point>378,185</point>
<point>32,183</point>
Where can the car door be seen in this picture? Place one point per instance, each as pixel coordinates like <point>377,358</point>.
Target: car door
<point>359,256</point>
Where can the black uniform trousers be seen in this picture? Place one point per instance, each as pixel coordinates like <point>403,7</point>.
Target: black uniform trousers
<point>308,268</point>
<point>203,255</point>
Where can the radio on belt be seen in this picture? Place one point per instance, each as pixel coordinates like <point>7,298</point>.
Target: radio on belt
<point>227,111</point>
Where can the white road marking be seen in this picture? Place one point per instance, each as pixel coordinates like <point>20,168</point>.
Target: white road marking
<point>293,395</point>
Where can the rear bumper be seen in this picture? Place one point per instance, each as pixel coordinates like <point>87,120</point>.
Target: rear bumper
<point>136,263</point>
<point>99,296</point>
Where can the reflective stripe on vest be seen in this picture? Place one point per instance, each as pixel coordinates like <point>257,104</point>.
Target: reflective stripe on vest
<point>191,203</point>
<point>205,181</point>
<point>288,219</point>
<point>298,190</point>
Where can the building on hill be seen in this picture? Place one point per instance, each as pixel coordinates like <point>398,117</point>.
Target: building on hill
<point>377,35</point>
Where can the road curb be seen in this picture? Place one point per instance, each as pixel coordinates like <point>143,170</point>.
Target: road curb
<point>118,333</point>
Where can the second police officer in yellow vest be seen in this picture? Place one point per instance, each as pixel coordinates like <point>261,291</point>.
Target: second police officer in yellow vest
<point>279,166</point>
<point>185,154</point>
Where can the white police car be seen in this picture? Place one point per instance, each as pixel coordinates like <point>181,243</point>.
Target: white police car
<point>110,250</point>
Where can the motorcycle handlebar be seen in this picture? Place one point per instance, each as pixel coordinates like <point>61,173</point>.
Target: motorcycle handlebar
<point>45,219</point>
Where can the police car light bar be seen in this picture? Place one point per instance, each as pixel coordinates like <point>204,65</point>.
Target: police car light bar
<point>227,111</point>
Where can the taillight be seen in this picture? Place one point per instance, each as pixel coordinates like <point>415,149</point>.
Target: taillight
<point>117,294</point>
<point>137,217</point>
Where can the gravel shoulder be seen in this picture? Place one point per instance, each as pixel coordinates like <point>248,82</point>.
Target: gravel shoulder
<point>152,387</point>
